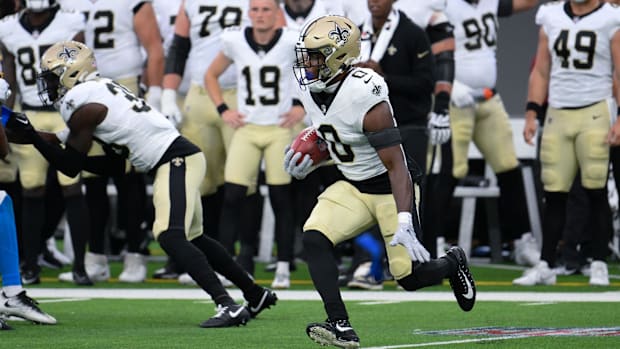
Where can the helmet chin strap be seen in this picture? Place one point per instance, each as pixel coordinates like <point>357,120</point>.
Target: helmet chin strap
<point>324,86</point>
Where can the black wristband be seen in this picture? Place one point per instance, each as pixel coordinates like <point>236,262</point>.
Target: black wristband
<point>537,108</point>
<point>222,108</point>
<point>442,103</point>
<point>618,111</point>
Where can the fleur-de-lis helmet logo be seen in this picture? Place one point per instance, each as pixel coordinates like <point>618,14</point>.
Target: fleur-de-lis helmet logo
<point>67,53</point>
<point>341,35</point>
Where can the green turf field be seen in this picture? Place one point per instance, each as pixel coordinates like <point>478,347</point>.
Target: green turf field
<point>529,319</point>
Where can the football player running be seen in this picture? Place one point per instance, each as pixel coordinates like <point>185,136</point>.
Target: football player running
<point>577,58</point>
<point>97,108</point>
<point>477,113</point>
<point>351,111</point>
<point>117,31</point>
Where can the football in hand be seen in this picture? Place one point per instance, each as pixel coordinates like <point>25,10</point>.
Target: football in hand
<point>309,142</point>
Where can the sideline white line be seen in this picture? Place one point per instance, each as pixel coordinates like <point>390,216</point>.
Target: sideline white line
<point>460,341</point>
<point>123,293</point>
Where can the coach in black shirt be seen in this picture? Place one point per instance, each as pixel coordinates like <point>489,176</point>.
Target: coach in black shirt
<point>399,50</point>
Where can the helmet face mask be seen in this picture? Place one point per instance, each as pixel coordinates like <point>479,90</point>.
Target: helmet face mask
<point>63,66</point>
<point>327,46</point>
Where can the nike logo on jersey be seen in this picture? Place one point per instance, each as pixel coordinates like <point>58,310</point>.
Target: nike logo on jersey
<point>234,314</point>
<point>470,292</point>
<point>260,304</point>
<point>421,55</point>
<point>342,329</point>
<point>21,120</point>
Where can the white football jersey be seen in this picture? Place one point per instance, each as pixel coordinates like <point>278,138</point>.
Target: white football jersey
<point>341,123</point>
<point>421,11</point>
<point>264,73</point>
<point>319,8</point>
<point>208,18</point>
<point>111,35</point>
<point>475,35</point>
<point>581,62</point>
<point>130,124</point>
<point>28,45</point>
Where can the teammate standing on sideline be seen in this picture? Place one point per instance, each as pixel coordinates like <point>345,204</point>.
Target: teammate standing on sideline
<point>351,111</point>
<point>266,111</point>
<point>97,108</point>
<point>25,36</point>
<point>578,45</point>
<point>477,113</point>
<point>196,42</point>
<point>13,299</point>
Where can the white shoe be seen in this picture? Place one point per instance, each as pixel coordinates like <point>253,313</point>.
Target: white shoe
<point>96,266</point>
<point>51,245</point>
<point>598,274</point>
<point>281,281</point>
<point>185,279</point>
<point>24,307</point>
<point>134,268</point>
<point>526,250</point>
<point>66,276</point>
<point>541,274</point>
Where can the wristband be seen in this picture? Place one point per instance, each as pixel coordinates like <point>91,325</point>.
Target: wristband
<point>442,103</point>
<point>537,108</point>
<point>618,111</point>
<point>405,217</point>
<point>62,135</point>
<point>222,108</point>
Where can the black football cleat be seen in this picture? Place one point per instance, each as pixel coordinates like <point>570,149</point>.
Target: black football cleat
<point>461,281</point>
<point>228,316</point>
<point>80,278</point>
<point>338,333</point>
<point>4,326</point>
<point>267,299</point>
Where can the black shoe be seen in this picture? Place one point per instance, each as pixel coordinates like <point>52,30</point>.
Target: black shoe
<point>4,326</point>
<point>30,277</point>
<point>48,260</point>
<point>462,282</point>
<point>228,316</point>
<point>338,333</point>
<point>166,273</point>
<point>81,278</point>
<point>267,299</point>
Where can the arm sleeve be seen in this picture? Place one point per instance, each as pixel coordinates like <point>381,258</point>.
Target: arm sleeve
<point>504,8</point>
<point>68,160</point>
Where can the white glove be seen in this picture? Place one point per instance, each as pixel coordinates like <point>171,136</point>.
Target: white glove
<point>301,170</point>
<point>5,90</point>
<point>439,128</point>
<point>462,95</point>
<point>405,236</point>
<point>153,97</point>
<point>169,106</point>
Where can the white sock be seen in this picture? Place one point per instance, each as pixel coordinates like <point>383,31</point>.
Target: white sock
<point>11,291</point>
<point>282,268</point>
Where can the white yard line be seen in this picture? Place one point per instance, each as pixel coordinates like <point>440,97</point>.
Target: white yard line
<point>366,296</point>
<point>458,341</point>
